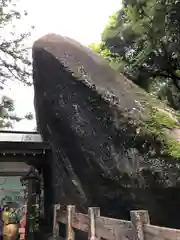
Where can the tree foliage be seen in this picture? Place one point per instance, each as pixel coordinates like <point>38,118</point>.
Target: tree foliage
<point>14,58</point>
<point>14,55</point>
<point>8,115</point>
<point>143,38</point>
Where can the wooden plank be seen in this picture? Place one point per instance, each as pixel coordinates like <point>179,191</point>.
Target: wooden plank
<point>10,174</point>
<point>61,217</point>
<point>81,222</point>
<point>111,228</point>
<point>107,228</point>
<point>15,170</point>
<point>22,145</point>
<point>21,158</point>
<point>152,232</point>
<point>23,151</point>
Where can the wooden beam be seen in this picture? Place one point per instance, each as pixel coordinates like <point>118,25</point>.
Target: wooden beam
<point>22,151</point>
<point>24,145</point>
<point>21,158</point>
<point>7,136</point>
<point>6,170</point>
<point>10,174</point>
<point>156,232</point>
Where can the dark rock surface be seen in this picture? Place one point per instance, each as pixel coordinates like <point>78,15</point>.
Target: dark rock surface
<point>91,116</point>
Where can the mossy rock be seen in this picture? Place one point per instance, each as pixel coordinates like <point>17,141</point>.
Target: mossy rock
<point>158,125</point>
<point>114,145</point>
<point>155,121</point>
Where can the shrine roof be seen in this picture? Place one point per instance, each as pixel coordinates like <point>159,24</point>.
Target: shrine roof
<point>17,143</point>
<point>17,136</point>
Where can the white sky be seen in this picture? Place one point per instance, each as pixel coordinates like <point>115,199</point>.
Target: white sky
<point>83,20</point>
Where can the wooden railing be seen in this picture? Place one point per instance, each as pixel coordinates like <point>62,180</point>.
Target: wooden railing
<point>139,228</point>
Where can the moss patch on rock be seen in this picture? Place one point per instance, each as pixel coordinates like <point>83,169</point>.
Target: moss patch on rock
<point>157,124</point>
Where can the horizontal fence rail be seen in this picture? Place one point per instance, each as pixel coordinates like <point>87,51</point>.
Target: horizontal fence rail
<point>97,227</point>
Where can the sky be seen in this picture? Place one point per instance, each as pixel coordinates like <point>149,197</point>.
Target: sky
<point>83,20</point>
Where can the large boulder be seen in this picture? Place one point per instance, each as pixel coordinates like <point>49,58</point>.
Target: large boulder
<point>114,145</point>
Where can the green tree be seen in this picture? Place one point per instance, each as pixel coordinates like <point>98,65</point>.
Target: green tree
<point>8,115</point>
<point>14,55</point>
<point>143,37</point>
<point>14,58</point>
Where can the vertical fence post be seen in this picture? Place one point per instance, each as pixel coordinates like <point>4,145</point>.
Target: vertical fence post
<point>138,219</point>
<point>69,229</point>
<point>93,212</point>
<point>55,222</point>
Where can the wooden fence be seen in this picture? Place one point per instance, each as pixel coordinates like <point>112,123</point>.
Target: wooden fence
<point>139,228</point>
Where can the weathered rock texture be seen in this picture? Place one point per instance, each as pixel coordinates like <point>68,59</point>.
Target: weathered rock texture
<point>114,146</point>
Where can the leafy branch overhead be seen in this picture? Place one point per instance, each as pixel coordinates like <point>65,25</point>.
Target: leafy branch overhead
<point>15,64</point>
<point>8,115</point>
<point>14,54</point>
<point>143,40</point>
